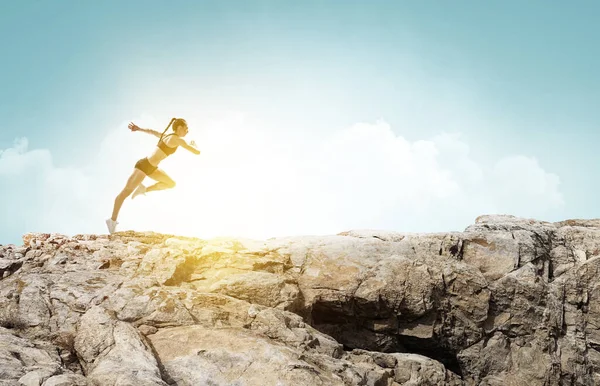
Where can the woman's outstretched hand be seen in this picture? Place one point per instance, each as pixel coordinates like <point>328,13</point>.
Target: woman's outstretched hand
<point>133,127</point>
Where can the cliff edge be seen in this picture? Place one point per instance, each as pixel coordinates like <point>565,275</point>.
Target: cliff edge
<point>508,301</point>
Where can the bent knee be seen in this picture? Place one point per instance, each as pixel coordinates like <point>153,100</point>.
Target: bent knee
<point>171,184</point>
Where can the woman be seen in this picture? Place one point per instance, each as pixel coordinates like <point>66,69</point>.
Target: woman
<point>148,167</point>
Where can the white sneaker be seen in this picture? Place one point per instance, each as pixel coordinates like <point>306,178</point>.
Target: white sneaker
<point>141,189</point>
<point>112,225</point>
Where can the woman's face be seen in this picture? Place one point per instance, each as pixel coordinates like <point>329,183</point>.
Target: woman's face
<point>181,130</point>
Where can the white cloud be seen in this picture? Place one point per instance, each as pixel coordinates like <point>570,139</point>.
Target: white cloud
<point>526,178</point>
<point>248,183</point>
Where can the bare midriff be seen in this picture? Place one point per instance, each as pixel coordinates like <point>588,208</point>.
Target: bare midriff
<point>156,157</point>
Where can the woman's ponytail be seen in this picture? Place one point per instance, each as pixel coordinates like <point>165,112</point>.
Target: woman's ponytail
<point>169,125</point>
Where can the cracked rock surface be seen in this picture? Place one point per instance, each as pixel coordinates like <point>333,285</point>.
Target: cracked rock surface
<point>509,301</point>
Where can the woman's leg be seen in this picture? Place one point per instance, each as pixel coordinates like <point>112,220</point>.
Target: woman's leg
<point>164,181</point>
<point>134,180</point>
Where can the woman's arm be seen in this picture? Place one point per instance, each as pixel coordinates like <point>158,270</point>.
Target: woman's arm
<point>190,147</point>
<point>133,127</point>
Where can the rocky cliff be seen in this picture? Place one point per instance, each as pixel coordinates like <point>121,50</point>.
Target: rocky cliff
<point>509,301</point>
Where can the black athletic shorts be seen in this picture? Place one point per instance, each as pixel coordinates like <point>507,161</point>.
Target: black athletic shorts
<point>145,166</point>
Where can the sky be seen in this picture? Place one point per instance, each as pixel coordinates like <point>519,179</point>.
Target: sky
<point>312,117</point>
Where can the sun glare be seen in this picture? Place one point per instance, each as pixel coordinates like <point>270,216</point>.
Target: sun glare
<point>243,184</point>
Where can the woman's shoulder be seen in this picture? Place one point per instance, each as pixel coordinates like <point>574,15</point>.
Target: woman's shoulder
<point>171,139</point>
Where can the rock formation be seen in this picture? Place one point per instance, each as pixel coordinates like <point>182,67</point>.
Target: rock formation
<point>509,301</point>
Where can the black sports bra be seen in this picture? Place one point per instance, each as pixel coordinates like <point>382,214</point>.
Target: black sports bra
<point>166,149</point>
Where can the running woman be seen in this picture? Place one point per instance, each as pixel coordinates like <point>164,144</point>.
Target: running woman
<point>148,166</point>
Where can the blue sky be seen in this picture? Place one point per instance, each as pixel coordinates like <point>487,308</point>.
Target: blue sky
<point>514,79</point>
